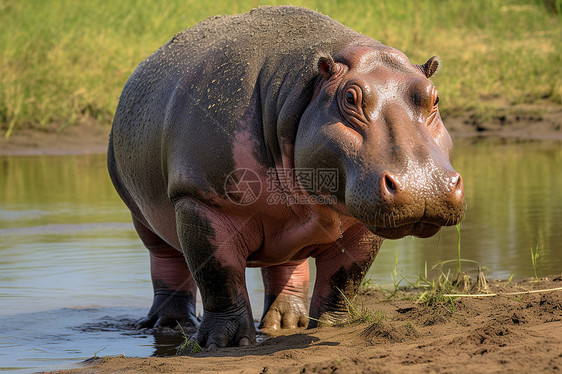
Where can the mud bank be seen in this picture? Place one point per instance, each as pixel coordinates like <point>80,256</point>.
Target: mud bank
<point>89,137</point>
<point>506,333</point>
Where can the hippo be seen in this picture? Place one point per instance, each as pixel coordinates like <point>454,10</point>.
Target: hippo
<point>266,138</point>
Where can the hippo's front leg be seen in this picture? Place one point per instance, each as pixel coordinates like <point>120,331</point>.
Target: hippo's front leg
<point>217,260</point>
<point>339,271</point>
<point>286,295</point>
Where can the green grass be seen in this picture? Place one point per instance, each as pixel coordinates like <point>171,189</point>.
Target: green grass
<point>535,255</point>
<point>435,291</point>
<point>458,227</point>
<point>431,291</point>
<point>188,346</point>
<point>63,62</point>
<point>360,314</point>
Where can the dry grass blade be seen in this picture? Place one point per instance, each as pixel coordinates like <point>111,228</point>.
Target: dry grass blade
<point>504,293</point>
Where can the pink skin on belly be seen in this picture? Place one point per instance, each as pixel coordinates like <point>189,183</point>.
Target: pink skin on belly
<point>285,230</point>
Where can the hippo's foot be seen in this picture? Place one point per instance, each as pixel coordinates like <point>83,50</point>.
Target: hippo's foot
<point>169,311</point>
<point>234,327</point>
<point>286,312</point>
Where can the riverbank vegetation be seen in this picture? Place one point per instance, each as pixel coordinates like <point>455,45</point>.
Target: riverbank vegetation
<point>62,63</point>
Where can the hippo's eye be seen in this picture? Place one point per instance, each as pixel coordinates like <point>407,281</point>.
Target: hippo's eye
<point>351,104</point>
<point>352,97</point>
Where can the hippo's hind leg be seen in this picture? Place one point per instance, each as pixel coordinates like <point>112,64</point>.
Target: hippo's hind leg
<point>174,287</point>
<point>339,272</point>
<point>286,294</point>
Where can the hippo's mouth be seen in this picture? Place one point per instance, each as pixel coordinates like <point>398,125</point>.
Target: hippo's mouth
<point>419,229</point>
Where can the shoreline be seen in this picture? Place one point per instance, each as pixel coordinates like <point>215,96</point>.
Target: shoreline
<point>90,137</point>
<point>80,139</point>
<point>505,333</point>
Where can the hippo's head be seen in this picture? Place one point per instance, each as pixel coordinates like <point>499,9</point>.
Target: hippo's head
<point>374,119</point>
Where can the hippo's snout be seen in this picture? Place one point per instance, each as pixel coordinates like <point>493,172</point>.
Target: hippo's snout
<point>402,205</point>
<point>450,187</point>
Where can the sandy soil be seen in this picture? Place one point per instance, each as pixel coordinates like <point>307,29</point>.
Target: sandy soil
<point>499,334</point>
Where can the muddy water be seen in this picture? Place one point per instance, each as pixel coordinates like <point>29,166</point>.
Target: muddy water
<point>74,275</point>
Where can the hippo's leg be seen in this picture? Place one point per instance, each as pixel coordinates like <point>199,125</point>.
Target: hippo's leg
<point>286,294</point>
<point>174,287</point>
<point>339,271</point>
<point>216,254</point>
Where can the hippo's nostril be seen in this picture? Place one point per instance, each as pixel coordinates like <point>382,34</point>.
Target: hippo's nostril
<point>456,188</point>
<point>456,182</point>
<point>390,184</point>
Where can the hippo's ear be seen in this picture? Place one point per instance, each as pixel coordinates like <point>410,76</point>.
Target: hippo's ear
<point>431,66</point>
<point>326,66</point>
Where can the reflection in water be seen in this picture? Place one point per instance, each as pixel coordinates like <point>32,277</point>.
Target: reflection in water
<point>66,241</point>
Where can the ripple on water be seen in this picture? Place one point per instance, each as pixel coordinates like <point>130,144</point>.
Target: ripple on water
<point>37,340</point>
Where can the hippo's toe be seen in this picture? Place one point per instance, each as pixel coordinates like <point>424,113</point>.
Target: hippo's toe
<point>286,312</point>
<point>217,330</point>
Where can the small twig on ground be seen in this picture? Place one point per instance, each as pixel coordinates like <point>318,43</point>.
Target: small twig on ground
<point>504,293</point>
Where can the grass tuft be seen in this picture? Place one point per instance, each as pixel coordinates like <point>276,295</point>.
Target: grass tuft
<point>535,255</point>
<point>189,346</point>
<point>355,314</point>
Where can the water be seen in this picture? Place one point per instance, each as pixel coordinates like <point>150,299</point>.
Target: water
<point>74,275</point>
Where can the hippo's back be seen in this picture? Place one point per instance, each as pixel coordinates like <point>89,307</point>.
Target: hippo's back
<point>223,56</point>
